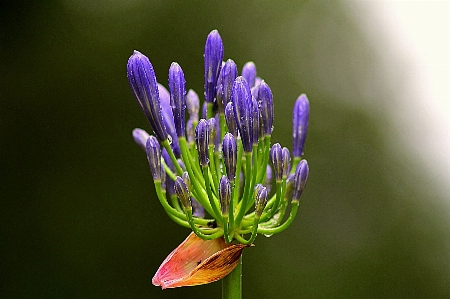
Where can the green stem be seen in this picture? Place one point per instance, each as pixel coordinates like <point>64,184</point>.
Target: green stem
<point>232,283</point>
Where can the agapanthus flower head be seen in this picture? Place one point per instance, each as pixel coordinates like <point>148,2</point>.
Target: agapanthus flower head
<point>219,175</point>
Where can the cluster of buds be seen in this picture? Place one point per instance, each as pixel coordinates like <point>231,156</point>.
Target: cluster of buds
<point>214,174</point>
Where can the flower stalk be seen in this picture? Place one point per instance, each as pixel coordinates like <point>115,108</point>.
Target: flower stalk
<point>215,174</point>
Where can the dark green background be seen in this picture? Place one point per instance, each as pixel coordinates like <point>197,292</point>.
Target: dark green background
<point>78,210</point>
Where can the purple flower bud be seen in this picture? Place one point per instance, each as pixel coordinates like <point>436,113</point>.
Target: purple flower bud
<point>301,176</point>
<point>276,159</point>
<point>166,111</point>
<point>212,130</point>
<point>224,194</point>
<point>300,119</point>
<point>229,155</point>
<point>213,61</point>
<point>219,97</point>
<point>286,162</point>
<point>260,199</point>
<point>202,139</point>
<point>242,107</point>
<point>140,137</point>
<point>249,73</point>
<point>265,101</point>
<point>228,74</point>
<point>187,180</point>
<point>154,157</point>
<point>177,86</point>
<point>193,104</point>
<point>258,81</point>
<point>145,89</point>
<point>190,133</point>
<point>255,119</point>
<point>231,121</point>
<point>183,193</point>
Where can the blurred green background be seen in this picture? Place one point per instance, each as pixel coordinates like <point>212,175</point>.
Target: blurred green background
<point>79,216</point>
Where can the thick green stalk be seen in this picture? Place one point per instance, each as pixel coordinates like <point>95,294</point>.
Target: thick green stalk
<point>232,283</point>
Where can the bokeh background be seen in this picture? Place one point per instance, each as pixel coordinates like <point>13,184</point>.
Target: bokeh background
<point>79,216</point>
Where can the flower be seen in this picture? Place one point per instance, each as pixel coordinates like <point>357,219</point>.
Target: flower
<point>213,175</point>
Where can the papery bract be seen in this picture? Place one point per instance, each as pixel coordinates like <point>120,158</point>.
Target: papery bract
<point>196,261</point>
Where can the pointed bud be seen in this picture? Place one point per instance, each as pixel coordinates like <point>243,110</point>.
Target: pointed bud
<point>212,130</point>
<point>242,107</point>
<point>260,199</point>
<point>177,86</point>
<point>249,73</point>
<point>183,193</point>
<point>300,118</point>
<point>190,133</point>
<point>286,162</point>
<point>187,180</point>
<point>228,74</point>
<point>213,61</point>
<point>202,139</point>
<point>276,159</point>
<point>193,105</point>
<point>229,149</point>
<point>166,112</point>
<point>300,179</point>
<point>154,157</point>
<point>145,89</point>
<point>265,101</point>
<point>140,137</point>
<point>219,96</point>
<point>225,194</point>
<point>230,120</point>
